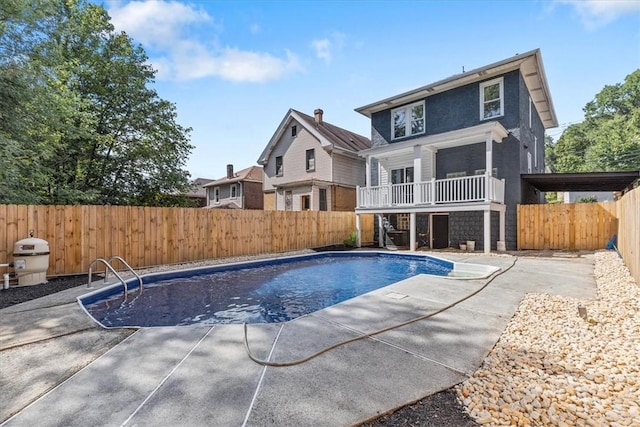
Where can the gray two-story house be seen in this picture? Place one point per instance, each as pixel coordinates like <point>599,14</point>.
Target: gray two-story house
<point>446,159</point>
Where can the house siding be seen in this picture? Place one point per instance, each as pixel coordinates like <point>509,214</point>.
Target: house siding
<point>348,171</point>
<point>269,201</point>
<point>293,152</point>
<point>342,198</point>
<point>464,226</point>
<point>454,109</point>
<point>253,195</point>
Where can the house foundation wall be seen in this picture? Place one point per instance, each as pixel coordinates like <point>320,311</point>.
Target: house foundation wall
<point>465,226</point>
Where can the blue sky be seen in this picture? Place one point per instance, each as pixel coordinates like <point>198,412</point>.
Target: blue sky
<point>234,68</point>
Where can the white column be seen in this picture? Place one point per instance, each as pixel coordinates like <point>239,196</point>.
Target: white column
<point>358,237</point>
<point>487,230</point>
<point>488,165</point>
<point>381,236</point>
<point>502,224</point>
<point>412,231</point>
<point>367,175</point>
<point>417,173</point>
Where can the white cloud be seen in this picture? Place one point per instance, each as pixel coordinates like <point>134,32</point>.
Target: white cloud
<point>598,13</point>
<point>322,48</point>
<point>166,27</point>
<point>155,23</point>
<point>231,64</point>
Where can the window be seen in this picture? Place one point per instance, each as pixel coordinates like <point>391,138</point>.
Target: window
<point>294,130</point>
<point>323,199</point>
<point>402,176</point>
<point>408,120</point>
<point>491,99</point>
<point>494,172</point>
<point>456,174</point>
<point>216,195</point>
<point>528,162</point>
<point>279,166</point>
<point>234,191</point>
<point>288,200</point>
<point>310,163</point>
<point>305,203</point>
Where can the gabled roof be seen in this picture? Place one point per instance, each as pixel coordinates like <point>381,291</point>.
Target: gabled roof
<point>331,137</point>
<point>198,185</point>
<point>250,174</point>
<point>529,64</point>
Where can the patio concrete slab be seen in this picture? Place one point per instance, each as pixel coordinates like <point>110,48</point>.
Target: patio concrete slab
<point>215,385</point>
<point>110,389</point>
<point>349,384</point>
<point>201,375</point>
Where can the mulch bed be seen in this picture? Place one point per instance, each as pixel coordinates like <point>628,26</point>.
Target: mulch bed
<point>438,410</point>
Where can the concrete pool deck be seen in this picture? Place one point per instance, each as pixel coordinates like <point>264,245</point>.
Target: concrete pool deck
<point>202,375</point>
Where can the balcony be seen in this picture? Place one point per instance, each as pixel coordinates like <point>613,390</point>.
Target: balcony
<point>467,189</point>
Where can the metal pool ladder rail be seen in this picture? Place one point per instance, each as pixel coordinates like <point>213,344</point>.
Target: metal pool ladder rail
<point>109,267</point>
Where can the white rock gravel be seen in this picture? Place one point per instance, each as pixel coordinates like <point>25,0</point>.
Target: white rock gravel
<point>552,367</point>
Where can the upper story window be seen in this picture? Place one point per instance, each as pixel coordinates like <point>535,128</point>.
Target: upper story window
<point>294,130</point>
<point>456,174</point>
<point>234,191</point>
<point>494,172</point>
<point>279,166</point>
<point>310,163</point>
<point>491,99</point>
<point>408,120</point>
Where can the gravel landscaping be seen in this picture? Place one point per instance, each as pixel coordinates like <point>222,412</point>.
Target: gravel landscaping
<point>553,367</point>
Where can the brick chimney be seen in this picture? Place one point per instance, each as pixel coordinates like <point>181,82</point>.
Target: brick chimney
<point>229,171</point>
<point>318,115</point>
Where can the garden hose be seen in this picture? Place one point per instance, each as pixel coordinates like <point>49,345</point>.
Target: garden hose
<point>370,334</point>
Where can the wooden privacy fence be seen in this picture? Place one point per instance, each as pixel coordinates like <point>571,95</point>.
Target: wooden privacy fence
<point>147,236</point>
<point>629,231</point>
<point>585,226</point>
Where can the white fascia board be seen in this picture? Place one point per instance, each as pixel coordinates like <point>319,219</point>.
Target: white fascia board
<point>324,142</point>
<point>471,135</point>
<point>264,157</point>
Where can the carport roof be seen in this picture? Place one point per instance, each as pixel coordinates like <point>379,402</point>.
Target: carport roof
<point>589,181</point>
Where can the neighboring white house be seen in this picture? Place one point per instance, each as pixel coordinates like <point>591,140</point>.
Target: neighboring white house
<point>236,190</point>
<point>310,164</point>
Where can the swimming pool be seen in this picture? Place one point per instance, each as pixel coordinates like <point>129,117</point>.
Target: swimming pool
<point>264,291</point>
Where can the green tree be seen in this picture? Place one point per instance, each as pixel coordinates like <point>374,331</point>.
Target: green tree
<point>103,135</point>
<point>609,137</point>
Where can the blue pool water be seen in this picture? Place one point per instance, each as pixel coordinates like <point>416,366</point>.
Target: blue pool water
<point>257,292</point>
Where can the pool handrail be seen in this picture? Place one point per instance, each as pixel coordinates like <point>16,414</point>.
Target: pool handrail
<point>108,267</point>
<point>126,264</point>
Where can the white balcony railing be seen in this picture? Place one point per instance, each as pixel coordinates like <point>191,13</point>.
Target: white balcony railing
<point>441,191</point>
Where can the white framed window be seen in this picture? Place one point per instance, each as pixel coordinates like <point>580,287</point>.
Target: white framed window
<point>279,166</point>
<point>234,191</point>
<point>216,195</point>
<point>310,161</point>
<point>402,176</point>
<point>528,162</point>
<point>492,99</point>
<point>494,172</point>
<point>456,174</point>
<point>408,120</point>
<point>294,130</point>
